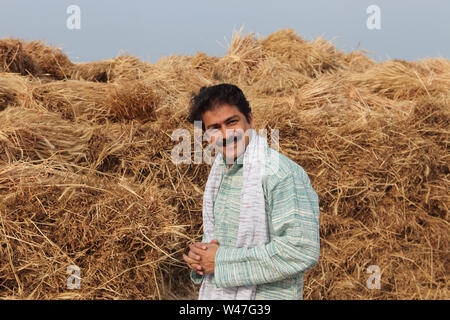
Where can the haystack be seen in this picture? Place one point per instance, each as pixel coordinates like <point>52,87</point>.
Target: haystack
<point>123,240</point>
<point>175,78</point>
<point>35,58</point>
<point>357,61</point>
<point>80,100</point>
<point>310,58</point>
<point>87,180</point>
<point>397,79</point>
<point>50,59</point>
<point>14,90</point>
<point>273,77</point>
<point>122,67</point>
<point>205,64</point>
<point>375,174</point>
<point>244,53</point>
<point>27,135</point>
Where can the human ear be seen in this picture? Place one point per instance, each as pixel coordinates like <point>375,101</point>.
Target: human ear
<point>250,115</point>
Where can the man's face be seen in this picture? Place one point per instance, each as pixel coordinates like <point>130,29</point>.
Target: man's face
<point>226,127</point>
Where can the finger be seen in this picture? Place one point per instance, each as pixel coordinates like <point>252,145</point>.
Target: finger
<point>215,241</point>
<point>201,245</point>
<point>189,260</point>
<point>195,250</point>
<point>198,251</point>
<point>198,245</point>
<point>197,267</point>
<point>194,256</point>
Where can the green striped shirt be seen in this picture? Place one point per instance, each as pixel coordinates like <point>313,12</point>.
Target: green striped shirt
<point>292,206</point>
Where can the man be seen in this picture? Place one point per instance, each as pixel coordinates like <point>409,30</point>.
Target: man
<point>261,230</point>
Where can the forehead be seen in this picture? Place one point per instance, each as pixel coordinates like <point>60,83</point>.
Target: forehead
<point>220,113</point>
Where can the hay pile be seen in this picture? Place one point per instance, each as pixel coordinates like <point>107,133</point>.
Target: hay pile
<point>86,176</point>
<point>33,57</point>
<point>84,101</point>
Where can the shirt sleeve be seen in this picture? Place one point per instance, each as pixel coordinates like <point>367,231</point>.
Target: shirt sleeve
<point>196,278</point>
<point>294,247</point>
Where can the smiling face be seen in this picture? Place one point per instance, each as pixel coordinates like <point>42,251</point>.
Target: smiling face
<point>226,127</point>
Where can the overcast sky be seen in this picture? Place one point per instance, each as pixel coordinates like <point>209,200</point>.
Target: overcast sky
<point>410,29</point>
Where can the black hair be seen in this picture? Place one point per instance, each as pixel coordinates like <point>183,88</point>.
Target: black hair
<point>211,97</point>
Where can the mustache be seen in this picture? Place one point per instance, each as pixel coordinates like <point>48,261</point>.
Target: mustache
<point>230,140</point>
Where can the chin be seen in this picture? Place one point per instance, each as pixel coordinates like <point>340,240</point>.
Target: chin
<point>232,155</point>
<point>232,158</point>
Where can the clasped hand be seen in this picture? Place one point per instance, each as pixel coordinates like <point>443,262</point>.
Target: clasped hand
<point>201,256</point>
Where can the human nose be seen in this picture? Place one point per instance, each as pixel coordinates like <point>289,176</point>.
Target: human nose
<point>223,131</point>
<point>227,135</point>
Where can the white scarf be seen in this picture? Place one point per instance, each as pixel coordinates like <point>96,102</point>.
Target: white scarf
<point>253,229</point>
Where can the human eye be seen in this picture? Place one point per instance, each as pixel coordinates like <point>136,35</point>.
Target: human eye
<point>212,129</point>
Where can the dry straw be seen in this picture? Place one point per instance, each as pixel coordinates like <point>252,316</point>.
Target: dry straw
<point>34,58</point>
<point>14,59</point>
<point>14,90</point>
<point>86,176</point>
<point>310,58</point>
<point>122,67</point>
<point>79,100</point>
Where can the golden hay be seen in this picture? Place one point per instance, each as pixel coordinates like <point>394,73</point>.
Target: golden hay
<point>123,67</point>
<point>311,58</point>
<point>358,61</point>
<point>383,194</point>
<point>86,176</point>
<point>243,55</point>
<point>205,64</point>
<point>14,59</point>
<point>51,60</point>
<point>73,99</point>
<point>272,77</point>
<point>174,78</point>
<point>28,135</point>
<point>14,90</point>
<point>399,79</point>
<point>82,100</point>
<point>11,54</point>
<point>176,75</point>
<point>132,100</point>
<point>113,233</point>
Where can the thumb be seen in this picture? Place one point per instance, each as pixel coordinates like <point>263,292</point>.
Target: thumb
<point>215,241</point>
